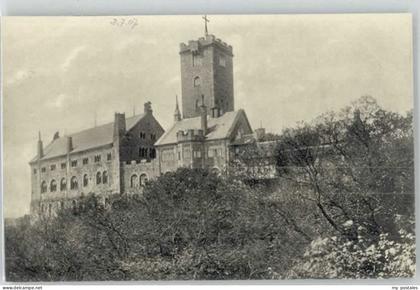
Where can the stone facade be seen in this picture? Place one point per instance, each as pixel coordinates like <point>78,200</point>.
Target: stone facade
<point>61,180</point>
<point>120,157</point>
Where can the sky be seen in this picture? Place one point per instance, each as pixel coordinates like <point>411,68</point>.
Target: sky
<point>61,72</point>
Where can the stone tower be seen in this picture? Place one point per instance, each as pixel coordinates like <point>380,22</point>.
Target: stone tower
<point>206,69</point>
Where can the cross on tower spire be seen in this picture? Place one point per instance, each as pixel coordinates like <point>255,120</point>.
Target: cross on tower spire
<point>205,24</point>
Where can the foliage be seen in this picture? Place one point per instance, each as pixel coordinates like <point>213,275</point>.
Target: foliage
<point>340,209</point>
<point>338,258</point>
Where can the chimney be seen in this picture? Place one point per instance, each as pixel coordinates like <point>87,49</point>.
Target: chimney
<point>259,134</point>
<point>119,125</point>
<point>40,146</point>
<point>148,108</point>
<point>215,112</point>
<point>69,144</point>
<point>203,116</point>
<point>56,135</point>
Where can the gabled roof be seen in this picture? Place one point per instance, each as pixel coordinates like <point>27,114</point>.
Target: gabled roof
<point>86,139</point>
<point>218,128</point>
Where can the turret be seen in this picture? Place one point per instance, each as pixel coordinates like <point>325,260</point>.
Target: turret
<point>40,146</point>
<point>177,114</point>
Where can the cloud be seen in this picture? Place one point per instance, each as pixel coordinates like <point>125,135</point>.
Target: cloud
<point>127,43</point>
<point>72,57</point>
<point>19,76</point>
<point>58,102</point>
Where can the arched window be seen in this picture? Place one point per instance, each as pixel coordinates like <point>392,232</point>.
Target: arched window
<point>63,184</point>
<point>143,179</point>
<point>152,153</point>
<point>105,177</point>
<point>53,186</point>
<point>61,204</point>
<point>49,209</point>
<point>134,181</point>
<point>85,180</point>
<point>73,183</point>
<point>98,178</point>
<point>197,82</point>
<point>43,187</point>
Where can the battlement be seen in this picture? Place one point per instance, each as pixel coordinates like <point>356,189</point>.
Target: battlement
<point>139,163</point>
<point>190,135</point>
<point>196,45</point>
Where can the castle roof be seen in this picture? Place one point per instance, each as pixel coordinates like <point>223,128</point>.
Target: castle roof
<point>87,139</point>
<point>217,128</point>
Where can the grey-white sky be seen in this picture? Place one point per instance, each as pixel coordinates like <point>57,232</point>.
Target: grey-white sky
<point>59,71</point>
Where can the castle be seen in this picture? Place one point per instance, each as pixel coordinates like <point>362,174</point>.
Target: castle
<point>120,157</point>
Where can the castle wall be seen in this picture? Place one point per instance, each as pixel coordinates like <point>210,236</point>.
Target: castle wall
<point>136,172</point>
<point>90,170</point>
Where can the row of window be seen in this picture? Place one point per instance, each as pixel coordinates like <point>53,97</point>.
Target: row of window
<point>61,205</point>
<point>212,152</point>
<point>136,181</point>
<point>101,177</point>
<point>73,163</point>
<point>143,136</point>
<point>147,152</point>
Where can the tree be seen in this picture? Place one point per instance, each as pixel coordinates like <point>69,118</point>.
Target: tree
<point>352,166</point>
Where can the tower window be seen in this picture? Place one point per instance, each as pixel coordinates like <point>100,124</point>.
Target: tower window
<point>85,161</point>
<point>142,135</point>
<point>197,82</point>
<point>97,158</point>
<point>63,165</point>
<point>222,61</point>
<point>74,163</point>
<point>108,156</point>
<point>52,167</point>
<point>196,59</point>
